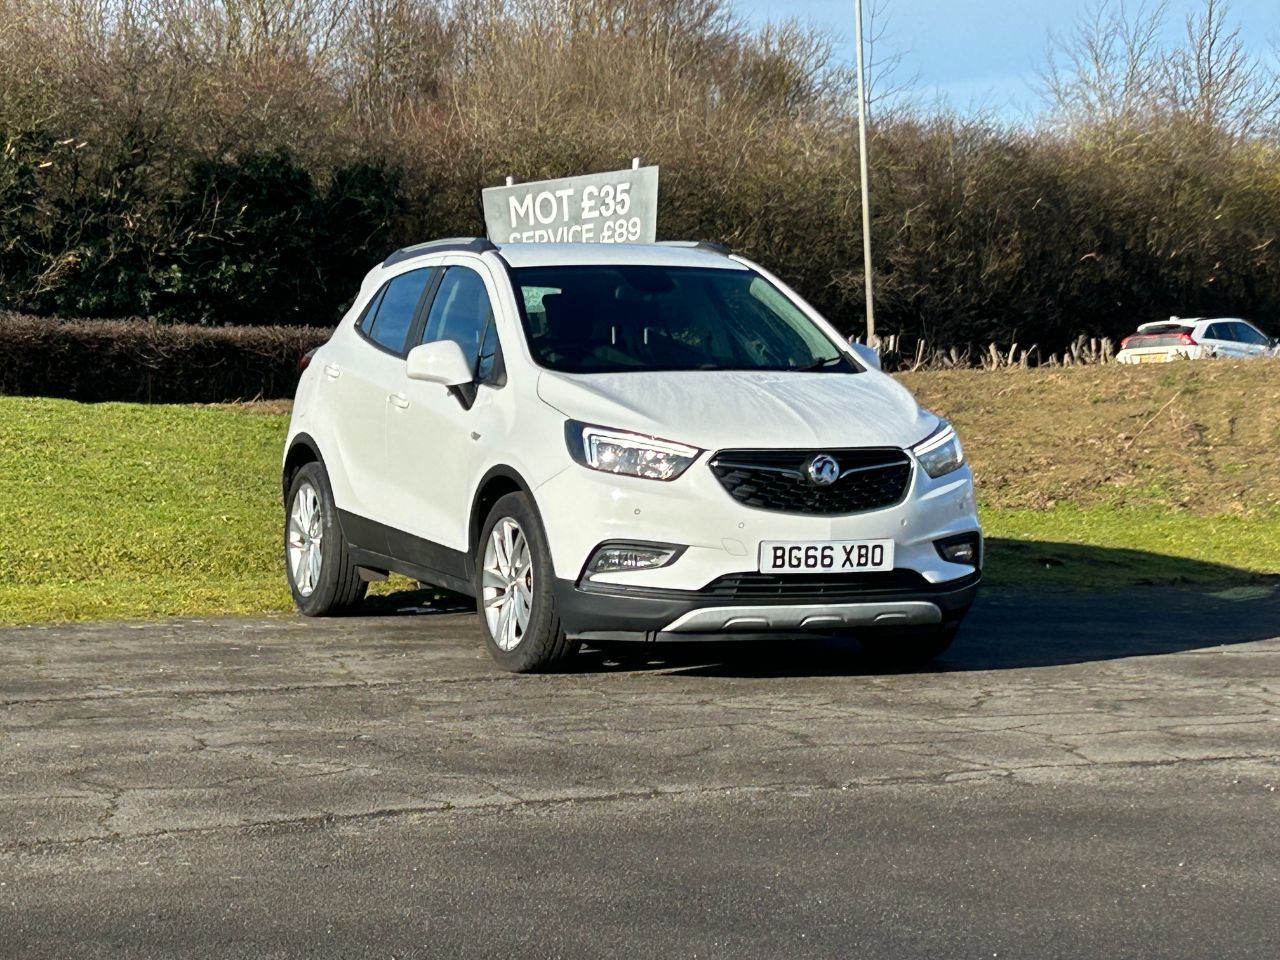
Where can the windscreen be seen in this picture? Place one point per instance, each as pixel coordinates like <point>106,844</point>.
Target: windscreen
<point>1157,340</point>
<point>619,318</point>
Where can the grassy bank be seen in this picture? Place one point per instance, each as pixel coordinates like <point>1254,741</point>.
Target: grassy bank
<point>1089,477</point>
<point>1110,475</point>
<point>1195,438</point>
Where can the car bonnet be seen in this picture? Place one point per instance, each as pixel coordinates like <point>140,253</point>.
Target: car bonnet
<point>761,409</point>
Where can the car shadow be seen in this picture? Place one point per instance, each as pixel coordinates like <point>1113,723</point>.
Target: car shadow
<point>1043,607</point>
<point>1009,628</point>
<point>426,601</point>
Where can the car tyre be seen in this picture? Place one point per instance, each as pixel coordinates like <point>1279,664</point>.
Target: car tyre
<point>322,577</point>
<point>906,648</point>
<point>515,590</point>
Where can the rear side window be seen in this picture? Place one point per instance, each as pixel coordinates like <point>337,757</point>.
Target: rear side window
<point>365,323</point>
<point>1219,331</point>
<point>388,318</point>
<point>461,312</point>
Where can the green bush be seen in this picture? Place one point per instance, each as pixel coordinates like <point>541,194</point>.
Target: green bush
<point>99,360</point>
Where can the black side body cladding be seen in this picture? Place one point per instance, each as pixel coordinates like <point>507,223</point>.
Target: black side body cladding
<point>498,480</point>
<point>380,547</point>
<point>302,450</point>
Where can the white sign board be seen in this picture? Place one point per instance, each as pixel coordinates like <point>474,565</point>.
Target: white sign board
<point>616,207</point>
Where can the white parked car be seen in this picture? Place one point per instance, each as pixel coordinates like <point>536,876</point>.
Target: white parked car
<point>606,442</point>
<point>1194,339</point>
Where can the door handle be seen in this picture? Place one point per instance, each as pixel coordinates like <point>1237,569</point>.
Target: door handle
<point>399,400</point>
<point>332,371</point>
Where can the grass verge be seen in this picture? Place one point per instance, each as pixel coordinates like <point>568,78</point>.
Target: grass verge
<point>124,510</point>
<point>1105,547</point>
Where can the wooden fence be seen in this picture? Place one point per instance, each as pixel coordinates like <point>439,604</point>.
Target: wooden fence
<point>898,354</point>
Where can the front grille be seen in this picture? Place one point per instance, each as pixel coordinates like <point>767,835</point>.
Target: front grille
<point>870,478</point>
<point>794,588</point>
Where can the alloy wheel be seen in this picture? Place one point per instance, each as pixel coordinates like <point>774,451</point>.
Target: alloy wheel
<point>507,584</point>
<point>306,535</point>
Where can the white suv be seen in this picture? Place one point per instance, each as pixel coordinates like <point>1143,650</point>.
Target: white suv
<point>607,442</point>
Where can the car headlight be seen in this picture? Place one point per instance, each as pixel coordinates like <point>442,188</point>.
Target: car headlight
<point>629,454</point>
<point>940,452</point>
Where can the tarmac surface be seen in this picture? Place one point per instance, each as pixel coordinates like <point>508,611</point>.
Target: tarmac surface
<point>1080,776</point>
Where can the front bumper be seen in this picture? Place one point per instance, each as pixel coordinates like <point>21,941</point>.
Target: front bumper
<point>611,612</point>
<point>581,509</point>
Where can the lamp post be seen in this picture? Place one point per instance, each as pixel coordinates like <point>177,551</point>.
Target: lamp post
<point>866,194</point>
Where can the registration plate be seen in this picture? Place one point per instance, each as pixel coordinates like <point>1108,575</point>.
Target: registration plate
<point>825,556</point>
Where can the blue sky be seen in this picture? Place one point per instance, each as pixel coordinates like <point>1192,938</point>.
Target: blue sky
<point>986,52</point>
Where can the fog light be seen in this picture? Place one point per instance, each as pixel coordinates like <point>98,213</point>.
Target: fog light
<point>623,557</point>
<point>965,548</point>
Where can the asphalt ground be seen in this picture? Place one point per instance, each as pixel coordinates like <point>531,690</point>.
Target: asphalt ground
<point>1080,776</point>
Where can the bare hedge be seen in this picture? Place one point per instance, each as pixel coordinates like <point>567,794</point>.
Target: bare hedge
<point>99,360</point>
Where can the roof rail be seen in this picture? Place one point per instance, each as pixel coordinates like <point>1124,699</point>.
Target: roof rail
<point>452,245</point>
<point>710,246</point>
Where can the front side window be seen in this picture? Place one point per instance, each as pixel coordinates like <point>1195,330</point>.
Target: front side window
<point>1247,334</point>
<point>461,312</point>
<point>618,318</point>
<point>388,325</point>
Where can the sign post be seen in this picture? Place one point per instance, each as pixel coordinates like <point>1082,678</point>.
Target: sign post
<point>866,181</point>
<point>616,207</point>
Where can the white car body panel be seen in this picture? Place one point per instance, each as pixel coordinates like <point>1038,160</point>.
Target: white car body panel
<point>427,428</point>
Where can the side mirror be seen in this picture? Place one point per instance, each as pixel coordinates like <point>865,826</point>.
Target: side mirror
<point>440,361</point>
<point>868,355</point>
